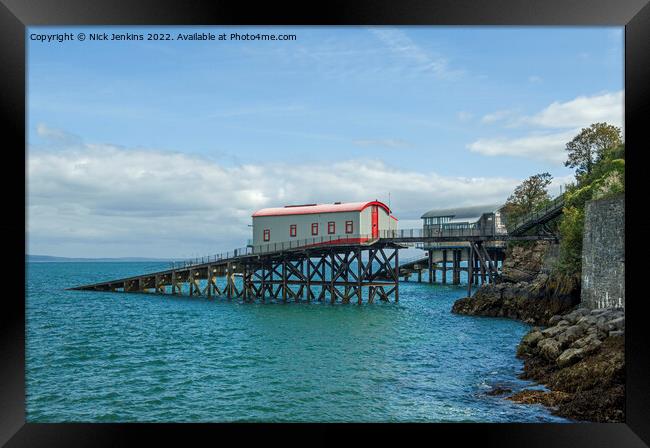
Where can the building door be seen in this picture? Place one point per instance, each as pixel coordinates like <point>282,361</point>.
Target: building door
<point>375,221</point>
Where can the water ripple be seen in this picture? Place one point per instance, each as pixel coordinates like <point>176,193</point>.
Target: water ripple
<point>106,357</point>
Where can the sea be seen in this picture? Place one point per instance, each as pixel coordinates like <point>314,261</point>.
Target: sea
<point>144,357</point>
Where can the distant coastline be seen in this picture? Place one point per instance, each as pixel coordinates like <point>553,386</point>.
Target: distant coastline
<point>52,259</point>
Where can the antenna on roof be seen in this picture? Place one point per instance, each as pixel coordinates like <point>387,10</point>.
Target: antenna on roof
<point>389,202</point>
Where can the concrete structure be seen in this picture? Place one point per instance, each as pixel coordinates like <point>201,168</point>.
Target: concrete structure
<point>310,224</point>
<point>603,253</point>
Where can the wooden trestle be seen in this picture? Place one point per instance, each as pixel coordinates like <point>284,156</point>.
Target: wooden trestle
<point>314,274</point>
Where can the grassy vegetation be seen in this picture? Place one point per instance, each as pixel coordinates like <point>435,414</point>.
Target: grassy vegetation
<point>598,155</point>
<point>606,179</point>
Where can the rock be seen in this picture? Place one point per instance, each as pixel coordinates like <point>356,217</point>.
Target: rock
<point>498,390</point>
<point>549,348</point>
<point>532,338</point>
<point>570,356</point>
<point>554,320</point>
<point>592,346</point>
<point>549,399</point>
<point>616,333</point>
<point>576,315</point>
<point>617,324</point>
<point>551,332</point>
<point>585,341</point>
<point>602,327</point>
<point>570,335</point>
<point>589,320</point>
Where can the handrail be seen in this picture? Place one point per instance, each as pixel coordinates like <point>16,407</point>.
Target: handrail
<point>337,240</point>
<point>556,203</point>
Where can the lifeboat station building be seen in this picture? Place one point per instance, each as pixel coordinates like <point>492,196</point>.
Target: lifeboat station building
<point>476,220</point>
<point>315,224</point>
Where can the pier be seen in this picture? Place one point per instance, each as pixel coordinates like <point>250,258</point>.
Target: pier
<point>322,269</point>
<point>342,267</point>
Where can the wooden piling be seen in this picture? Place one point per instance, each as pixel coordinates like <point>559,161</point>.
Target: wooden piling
<point>470,272</point>
<point>444,266</point>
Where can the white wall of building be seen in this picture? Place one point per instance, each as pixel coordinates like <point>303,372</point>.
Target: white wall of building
<point>279,225</point>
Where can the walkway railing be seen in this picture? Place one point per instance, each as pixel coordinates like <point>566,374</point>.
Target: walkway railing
<point>536,217</point>
<point>282,246</point>
<point>340,240</point>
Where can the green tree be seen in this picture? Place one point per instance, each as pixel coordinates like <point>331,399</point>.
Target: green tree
<point>589,147</point>
<point>571,229</point>
<point>529,195</point>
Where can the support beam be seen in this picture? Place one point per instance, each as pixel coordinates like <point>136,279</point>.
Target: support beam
<point>359,277</point>
<point>470,271</point>
<point>229,273</point>
<point>396,275</point>
<point>444,266</point>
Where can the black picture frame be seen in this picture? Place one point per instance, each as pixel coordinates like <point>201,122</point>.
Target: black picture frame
<point>15,15</point>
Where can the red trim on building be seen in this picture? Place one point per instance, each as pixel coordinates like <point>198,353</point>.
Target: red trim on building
<point>394,218</point>
<point>293,231</point>
<point>267,234</point>
<point>319,208</point>
<point>314,228</point>
<point>331,228</point>
<point>349,226</point>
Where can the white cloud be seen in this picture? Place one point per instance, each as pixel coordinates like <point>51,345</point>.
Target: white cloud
<point>545,147</point>
<point>102,200</point>
<point>465,116</point>
<point>582,111</point>
<point>402,45</point>
<point>534,79</point>
<point>499,115</point>
<point>56,135</point>
<point>551,128</point>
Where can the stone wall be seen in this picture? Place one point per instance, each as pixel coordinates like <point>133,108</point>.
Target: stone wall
<point>603,253</point>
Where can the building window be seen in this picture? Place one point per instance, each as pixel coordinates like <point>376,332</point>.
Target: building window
<point>267,235</point>
<point>292,230</point>
<point>331,227</point>
<point>349,227</point>
<point>314,228</point>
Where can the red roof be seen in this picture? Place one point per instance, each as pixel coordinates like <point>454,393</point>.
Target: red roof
<point>318,208</point>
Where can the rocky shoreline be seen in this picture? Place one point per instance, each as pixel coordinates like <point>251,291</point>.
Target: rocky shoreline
<point>531,302</point>
<point>577,353</point>
<point>527,290</point>
<point>581,358</point>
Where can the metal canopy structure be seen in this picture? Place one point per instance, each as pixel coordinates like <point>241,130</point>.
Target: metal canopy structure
<point>462,212</point>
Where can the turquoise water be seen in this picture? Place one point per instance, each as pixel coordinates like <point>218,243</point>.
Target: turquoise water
<point>113,357</point>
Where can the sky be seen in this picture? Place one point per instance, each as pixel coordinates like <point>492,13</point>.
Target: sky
<point>166,148</point>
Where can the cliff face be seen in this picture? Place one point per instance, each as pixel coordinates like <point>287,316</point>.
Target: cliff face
<point>527,290</point>
<point>523,263</point>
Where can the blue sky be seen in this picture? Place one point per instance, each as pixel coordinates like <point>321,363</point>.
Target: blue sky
<point>436,116</point>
